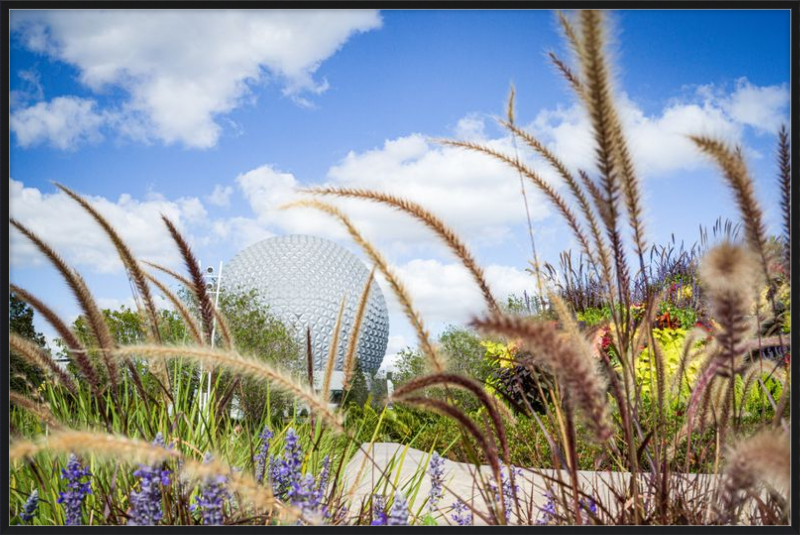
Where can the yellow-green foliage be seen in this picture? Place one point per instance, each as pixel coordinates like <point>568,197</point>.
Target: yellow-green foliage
<point>499,353</point>
<point>671,342</point>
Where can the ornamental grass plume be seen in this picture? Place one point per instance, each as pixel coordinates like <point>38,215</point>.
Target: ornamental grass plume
<point>30,506</point>
<point>146,509</point>
<point>763,458</point>
<point>398,514</point>
<point>575,369</point>
<point>77,490</point>
<point>729,273</point>
<point>428,219</point>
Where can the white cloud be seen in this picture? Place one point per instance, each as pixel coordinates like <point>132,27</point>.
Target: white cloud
<point>241,231</point>
<point>221,196</point>
<point>267,189</point>
<point>476,195</point>
<point>31,89</point>
<point>445,293</point>
<point>73,233</point>
<point>182,69</point>
<point>64,122</point>
<point>471,128</point>
<point>658,142</point>
<point>763,108</point>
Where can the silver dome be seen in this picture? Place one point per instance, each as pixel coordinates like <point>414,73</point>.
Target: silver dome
<point>302,279</point>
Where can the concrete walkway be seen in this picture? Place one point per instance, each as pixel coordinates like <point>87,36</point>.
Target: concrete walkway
<point>408,468</point>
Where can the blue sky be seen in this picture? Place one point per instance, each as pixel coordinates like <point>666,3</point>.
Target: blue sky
<point>217,117</point>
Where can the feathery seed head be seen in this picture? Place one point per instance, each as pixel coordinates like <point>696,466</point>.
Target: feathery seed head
<point>729,268</point>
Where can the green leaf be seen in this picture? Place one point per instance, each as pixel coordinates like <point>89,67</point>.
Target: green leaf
<point>429,521</point>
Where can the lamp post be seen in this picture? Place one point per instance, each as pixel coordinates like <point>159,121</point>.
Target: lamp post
<point>213,286</point>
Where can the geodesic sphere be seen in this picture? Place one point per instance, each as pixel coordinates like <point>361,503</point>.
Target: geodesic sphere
<point>302,279</point>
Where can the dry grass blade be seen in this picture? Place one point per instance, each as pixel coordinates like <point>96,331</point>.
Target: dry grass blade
<point>247,367</point>
<point>38,357</point>
<point>427,218</point>
<point>309,359</point>
<point>739,180</point>
<point>198,286</point>
<point>194,328</point>
<point>76,284</point>
<point>42,412</point>
<point>132,267</point>
<point>765,457</point>
<point>575,369</point>
<point>381,263</point>
<point>333,352</point>
<point>785,182</point>
<point>352,343</point>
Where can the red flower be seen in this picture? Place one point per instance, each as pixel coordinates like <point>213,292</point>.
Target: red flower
<point>605,342</point>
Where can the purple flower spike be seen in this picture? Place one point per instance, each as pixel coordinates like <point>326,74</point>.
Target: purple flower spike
<point>378,514</point>
<point>76,492</point>
<point>287,475</point>
<point>589,505</point>
<point>548,512</point>
<point>210,499</point>
<point>436,470</point>
<point>146,502</point>
<point>398,516</point>
<point>261,456</point>
<point>462,515</point>
<point>29,509</point>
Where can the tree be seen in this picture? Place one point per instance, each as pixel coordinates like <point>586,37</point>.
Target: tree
<point>128,327</point>
<point>358,392</point>
<point>464,353</point>
<point>20,321</point>
<point>259,334</point>
<point>410,363</point>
